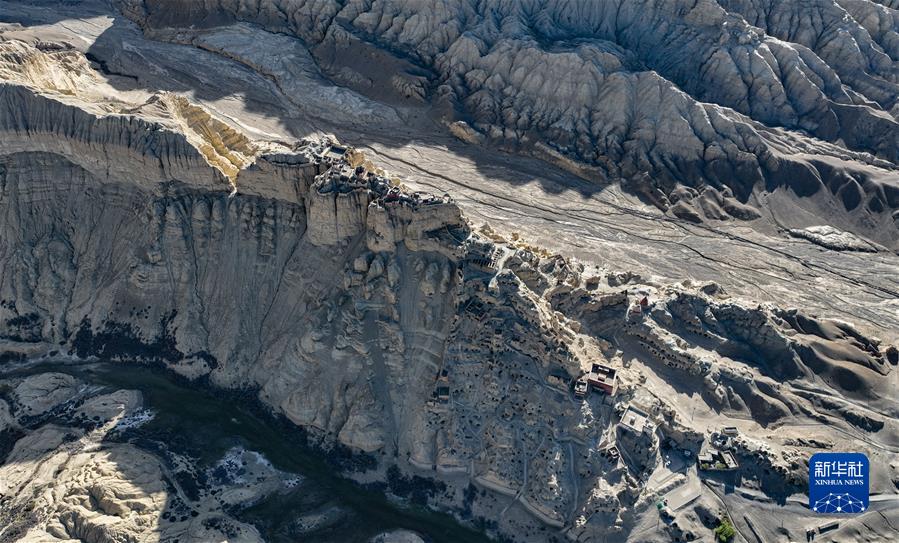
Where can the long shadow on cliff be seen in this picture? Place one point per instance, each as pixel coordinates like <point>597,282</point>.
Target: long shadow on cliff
<point>193,421</point>
<point>223,77</point>
<point>131,61</point>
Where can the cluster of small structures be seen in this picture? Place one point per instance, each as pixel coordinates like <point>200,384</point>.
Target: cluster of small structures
<point>716,456</point>
<point>625,442</point>
<point>346,172</point>
<point>623,437</point>
<point>601,377</point>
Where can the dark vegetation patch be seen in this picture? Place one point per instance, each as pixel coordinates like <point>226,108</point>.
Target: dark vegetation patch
<point>117,341</point>
<point>157,438</point>
<point>8,438</point>
<point>223,525</point>
<point>892,355</point>
<point>415,489</point>
<point>24,328</point>
<point>468,498</point>
<point>23,320</point>
<point>122,341</point>
<point>7,357</point>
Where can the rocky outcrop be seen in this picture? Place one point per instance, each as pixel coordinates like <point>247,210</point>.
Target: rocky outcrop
<point>71,474</point>
<point>31,120</point>
<point>709,95</point>
<point>346,202</point>
<point>132,242</point>
<point>153,229</point>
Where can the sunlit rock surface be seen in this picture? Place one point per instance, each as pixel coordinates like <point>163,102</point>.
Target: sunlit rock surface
<point>171,195</point>
<point>734,94</point>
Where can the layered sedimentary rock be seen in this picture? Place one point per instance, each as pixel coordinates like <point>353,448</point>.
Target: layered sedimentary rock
<point>145,227</point>
<point>229,266</point>
<point>732,95</point>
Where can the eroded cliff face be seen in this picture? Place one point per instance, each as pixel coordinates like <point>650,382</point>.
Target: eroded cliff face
<point>121,226</point>
<point>146,227</point>
<point>672,98</point>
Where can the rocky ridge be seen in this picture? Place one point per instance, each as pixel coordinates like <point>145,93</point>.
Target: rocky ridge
<point>151,228</point>
<point>674,99</point>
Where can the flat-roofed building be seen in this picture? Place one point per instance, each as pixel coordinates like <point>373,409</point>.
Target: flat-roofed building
<point>604,378</point>
<point>715,460</point>
<point>636,420</point>
<point>581,387</point>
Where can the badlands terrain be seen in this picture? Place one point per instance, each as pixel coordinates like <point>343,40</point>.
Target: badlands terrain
<point>402,271</point>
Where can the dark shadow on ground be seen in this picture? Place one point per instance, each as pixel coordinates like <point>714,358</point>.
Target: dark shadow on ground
<point>132,61</point>
<point>215,423</point>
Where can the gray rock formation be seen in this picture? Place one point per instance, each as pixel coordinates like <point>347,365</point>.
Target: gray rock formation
<point>731,95</point>
<point>155,224</point>
<point>72,475</point>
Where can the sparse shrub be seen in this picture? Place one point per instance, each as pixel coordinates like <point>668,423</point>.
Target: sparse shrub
<point>725,530</point>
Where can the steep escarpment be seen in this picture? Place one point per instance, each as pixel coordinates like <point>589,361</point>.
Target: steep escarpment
<point>44,78</point>
<point>542,392</point>
<point>126,241</point>
<point>386,327</point>
<point>81,136</point>
<point>179,272</point>
<point>724,97</point>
